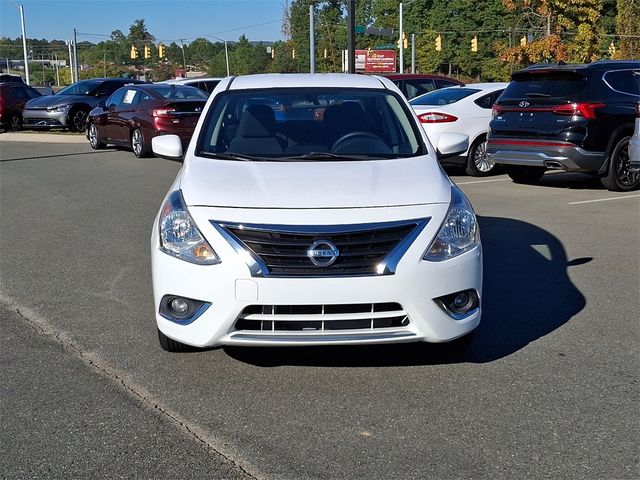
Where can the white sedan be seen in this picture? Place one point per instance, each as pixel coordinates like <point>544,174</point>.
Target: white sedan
<point>461,109</point>
<point>329,223</point>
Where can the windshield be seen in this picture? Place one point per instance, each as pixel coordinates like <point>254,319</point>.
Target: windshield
<point>173,91</point>
<point>84,87</point>
<point>445,96</point>
<point>544,85</point>
<point>308,124</point>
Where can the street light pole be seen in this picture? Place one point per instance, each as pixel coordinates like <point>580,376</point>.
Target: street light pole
<point>24,41</point>
<point>400,44</point>
<point>226,56</point>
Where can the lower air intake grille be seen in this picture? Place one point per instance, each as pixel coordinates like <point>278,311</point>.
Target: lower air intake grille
<point>319,318</point>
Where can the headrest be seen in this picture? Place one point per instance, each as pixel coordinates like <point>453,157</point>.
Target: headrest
<point>257,121</point>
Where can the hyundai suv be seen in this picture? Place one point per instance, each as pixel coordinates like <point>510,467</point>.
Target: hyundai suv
<point>576,118</point>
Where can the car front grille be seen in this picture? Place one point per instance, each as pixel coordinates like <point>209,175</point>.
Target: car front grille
<point>364,249</point>
<point>41,122</point>
<point>322,318</point>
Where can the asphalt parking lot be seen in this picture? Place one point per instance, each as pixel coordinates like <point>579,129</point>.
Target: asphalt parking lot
<point>547,387</point>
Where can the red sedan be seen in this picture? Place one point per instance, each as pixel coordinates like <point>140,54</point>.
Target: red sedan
<point>134,114</point>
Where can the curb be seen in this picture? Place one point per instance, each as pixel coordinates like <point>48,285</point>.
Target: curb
<point>42,137</point>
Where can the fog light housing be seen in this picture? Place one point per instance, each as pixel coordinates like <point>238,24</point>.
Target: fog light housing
<point>181,309</point>
<point>459,305</point>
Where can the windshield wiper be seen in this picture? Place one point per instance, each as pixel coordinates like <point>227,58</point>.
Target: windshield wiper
<point>234,156</point>
<point>311,156</point>
<point>536,94</point>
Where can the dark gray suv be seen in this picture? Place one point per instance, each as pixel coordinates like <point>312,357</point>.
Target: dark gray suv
<point>576,118</point>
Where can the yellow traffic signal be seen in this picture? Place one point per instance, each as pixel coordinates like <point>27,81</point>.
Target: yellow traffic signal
<point>612,49</point>
<point>161,51</point>
<point>523,41</point>
<point>273,52</point>
<point>134,52</point>
<point>325,53</point>
<point>474,44</point>
<point>293,53</point>
<point>405,42</point>
<point>147,52</point>
<point>438,43</point>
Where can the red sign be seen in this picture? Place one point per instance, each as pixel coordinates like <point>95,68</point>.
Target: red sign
<point>376,61</point>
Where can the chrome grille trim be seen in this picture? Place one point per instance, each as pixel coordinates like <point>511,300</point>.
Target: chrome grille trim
<point>321,319</point>
<point>281,250</point>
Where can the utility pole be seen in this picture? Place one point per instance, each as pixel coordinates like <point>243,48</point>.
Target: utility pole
<point>70,62</point>
<point>57,69</point>
<point>413,53</point>
<point>226,56</point>
<point>24,41</point>
<point>351,36</point>
<point>184,59</point>
<point>104,63</point>
<point>42,58</point>
<point>312,42</point>
<point>75,54</point>
<point>401,44</point>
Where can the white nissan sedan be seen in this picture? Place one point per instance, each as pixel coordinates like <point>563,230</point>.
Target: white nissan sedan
<point>312,210</point>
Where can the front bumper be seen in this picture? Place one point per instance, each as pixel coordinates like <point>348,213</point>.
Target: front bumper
<point>42,118</point>
<point>229,287</point>
<point>542,153</point>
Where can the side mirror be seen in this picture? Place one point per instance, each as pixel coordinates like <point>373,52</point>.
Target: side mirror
<point>452,144</point>
<point>101,104</point>
<point>167,146</point>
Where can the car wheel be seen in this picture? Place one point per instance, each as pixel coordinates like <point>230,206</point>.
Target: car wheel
<point>94,138</point>
<point>526,175</point>
<point>77,120</point>
<point>620,178</point>
<point>15,123</point>
<point>478,163</point>
<point>170,345</point>
<point>139,145</point>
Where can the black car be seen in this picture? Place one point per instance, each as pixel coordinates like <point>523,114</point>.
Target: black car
<point>70,106</point>
<point>568,117</point>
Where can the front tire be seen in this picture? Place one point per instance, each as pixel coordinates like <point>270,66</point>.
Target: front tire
<point>478,163</point>
<point>77,120</point>
<point>94,138</point>
<point>139,145</point>
<point>619,177</point>
<point>525,175</point>
<point>15,123</point>
<point>171,345</point>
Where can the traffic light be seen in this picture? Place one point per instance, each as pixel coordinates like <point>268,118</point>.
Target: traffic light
<point>438,43</point>
<point>523,41</point>
<point>474,44</point>
<point>405,42</point>
<point>147,52</point>
<point>325,53</point>
<point>273,52</point>
<point>134,52</point>
<point>161,51</point>
<point>612,49</point>
<point>293,53</point>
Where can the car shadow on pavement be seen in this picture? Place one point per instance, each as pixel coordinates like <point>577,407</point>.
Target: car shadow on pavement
<point>527,294</point>
<point>571,181</point>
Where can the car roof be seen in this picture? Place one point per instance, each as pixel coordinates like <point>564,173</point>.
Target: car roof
<point>575,67</point>
<point>191,80</point>
<point>309,80</point>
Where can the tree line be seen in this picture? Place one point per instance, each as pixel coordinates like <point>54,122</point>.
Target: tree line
<point>510,35</point>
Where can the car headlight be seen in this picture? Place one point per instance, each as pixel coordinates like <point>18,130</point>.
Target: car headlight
<point>458,232</point>
<point>59,108</point>
<point>179,235</point>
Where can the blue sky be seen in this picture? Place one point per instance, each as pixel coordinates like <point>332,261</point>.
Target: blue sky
<point>167,20</point>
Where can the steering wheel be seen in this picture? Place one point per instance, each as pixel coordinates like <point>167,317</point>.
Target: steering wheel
<point>360,142</point>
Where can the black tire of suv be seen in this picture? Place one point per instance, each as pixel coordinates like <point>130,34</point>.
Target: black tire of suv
<point>480,145</point>
<point>526,175</point>
<point>170,345</point>
<point>619,178</point>
<point>77,121</point>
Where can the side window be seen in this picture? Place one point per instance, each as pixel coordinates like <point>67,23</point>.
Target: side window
<point>624,81</point>
<point>18,93</point>
<point>107,88</point>
<point>31,92</point>
<point>445,83</point>
<point>487,101</point>
<point>116,99</point>
<point>418,87</point>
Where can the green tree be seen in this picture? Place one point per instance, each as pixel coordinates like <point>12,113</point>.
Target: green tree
<point>628,27</point>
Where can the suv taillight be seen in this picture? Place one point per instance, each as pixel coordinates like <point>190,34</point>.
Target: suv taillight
<point>496,110</point>
<point>163,112</point>
<point>586,110</point>
<point>436,117</point>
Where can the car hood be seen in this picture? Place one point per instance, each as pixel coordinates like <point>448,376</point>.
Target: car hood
<point>58,100</point>
<point>319,184</point>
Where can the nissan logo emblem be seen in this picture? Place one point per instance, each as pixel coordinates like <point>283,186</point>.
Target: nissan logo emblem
<point>323,253</point>
<point>523,104</point>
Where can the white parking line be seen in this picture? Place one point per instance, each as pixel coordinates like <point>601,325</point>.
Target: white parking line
<point>604,199</point>
<point>483,181</point>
